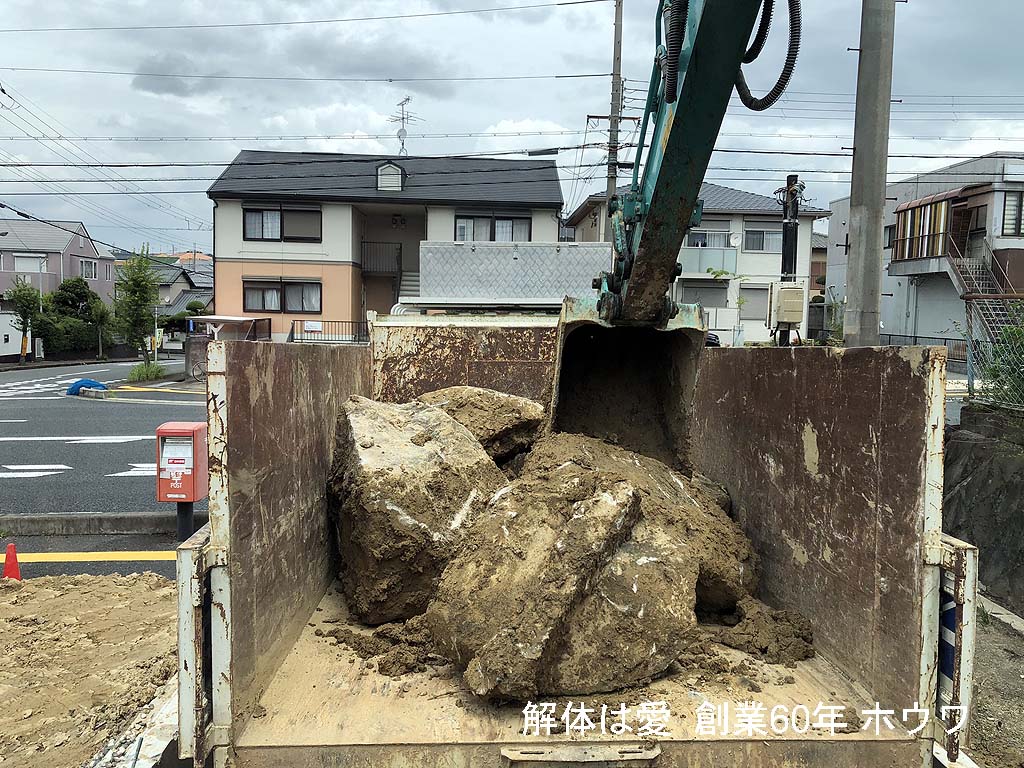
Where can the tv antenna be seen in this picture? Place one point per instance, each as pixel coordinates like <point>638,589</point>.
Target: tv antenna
<point>404,117</point>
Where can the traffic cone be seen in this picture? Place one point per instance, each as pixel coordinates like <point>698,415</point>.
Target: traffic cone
<point>11,569</point>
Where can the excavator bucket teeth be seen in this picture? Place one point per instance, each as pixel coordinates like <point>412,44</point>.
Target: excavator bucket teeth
<point>631,385</point>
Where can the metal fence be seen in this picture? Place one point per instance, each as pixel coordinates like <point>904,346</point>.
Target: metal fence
<point>956,349</point>
<point>995,353</point>
<point>330,331</point>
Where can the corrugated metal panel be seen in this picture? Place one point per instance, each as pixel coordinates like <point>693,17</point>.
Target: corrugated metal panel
<point>510,270</point>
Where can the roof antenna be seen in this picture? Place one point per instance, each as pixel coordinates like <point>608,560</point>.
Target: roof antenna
<point>404,116</point>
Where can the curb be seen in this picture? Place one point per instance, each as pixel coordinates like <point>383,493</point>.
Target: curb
<point>55,524</point>
<point>996,611</point>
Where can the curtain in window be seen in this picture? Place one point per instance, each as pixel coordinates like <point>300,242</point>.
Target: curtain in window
<point>503,230</point>
<point>463,230</point>
<point>271,225</point>
<point>755,306</point>
<point>311,297</point>
<point>302,297</point>
<point>253,225</point>
<point>482,229</point>
<point>253,299</point>
<point>272,299</point>
<point>1011,214</point>
<point>521,230</point>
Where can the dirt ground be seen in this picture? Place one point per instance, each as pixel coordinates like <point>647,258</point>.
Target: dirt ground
<point>997,739</point>
<point>79,655</point>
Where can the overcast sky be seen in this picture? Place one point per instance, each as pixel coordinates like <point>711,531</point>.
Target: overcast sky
<point>957,69</point>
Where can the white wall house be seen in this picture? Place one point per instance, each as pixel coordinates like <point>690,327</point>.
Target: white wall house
<point>971,209</point>
<point>740,240</point>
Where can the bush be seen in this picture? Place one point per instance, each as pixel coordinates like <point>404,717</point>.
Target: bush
<point>145,372</point>
<point>66,335</point>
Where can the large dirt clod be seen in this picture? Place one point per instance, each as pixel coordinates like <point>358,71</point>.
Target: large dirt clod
<point>407,480</point>
<point>504,424</point>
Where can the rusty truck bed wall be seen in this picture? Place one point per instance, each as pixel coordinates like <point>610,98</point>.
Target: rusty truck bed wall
<point>416,354</point>
<point>833,459</point>
<point>276,407</point>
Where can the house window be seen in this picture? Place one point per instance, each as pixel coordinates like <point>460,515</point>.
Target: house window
<point>890,236</point>
<point>302,297</point>
<point>29,263</point>
<point>389,178</point>
<point>500,229</point>
<point>89,270</point>
<point>1012,206</point>
<point>291,224</point>
<point>697,238</point>
<point>106,272</point>
<point>81,242</point>
<point>762,240</point>
<point>754,303</point>
<point>261,297</point>
<point>287,296</point>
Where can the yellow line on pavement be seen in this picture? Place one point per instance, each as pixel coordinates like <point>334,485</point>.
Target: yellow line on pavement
<point>127,388</point>
<point>92,557</point>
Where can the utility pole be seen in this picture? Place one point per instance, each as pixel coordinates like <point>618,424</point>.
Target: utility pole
<point>790,236</point>
<point>870,163</point>
<point>614,116</point>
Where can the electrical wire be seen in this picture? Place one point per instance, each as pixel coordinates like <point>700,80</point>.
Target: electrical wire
<point>304,22</point>
<point>792,52</point>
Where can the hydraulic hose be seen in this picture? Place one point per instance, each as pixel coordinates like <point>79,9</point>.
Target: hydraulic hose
<point>677,19</point>
<point>795,31</point>
<point>767,11</point>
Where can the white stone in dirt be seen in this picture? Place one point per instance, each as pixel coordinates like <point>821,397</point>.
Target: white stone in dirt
<point>505,425</point>
<point>407,481</point>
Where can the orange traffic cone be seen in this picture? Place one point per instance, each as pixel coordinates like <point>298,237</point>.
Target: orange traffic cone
<point>11,569</point>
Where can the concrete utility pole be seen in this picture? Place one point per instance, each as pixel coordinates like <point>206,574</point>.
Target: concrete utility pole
<point>790,237</point>
<point>614,116</point>
<point>870,163</point>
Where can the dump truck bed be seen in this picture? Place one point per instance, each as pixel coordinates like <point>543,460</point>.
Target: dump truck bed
<point>833,460</point>
<point>326,702</point>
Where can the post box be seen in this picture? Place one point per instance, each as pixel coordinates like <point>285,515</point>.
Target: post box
<point>181,461</point>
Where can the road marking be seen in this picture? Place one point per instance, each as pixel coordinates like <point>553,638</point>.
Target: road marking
<point>23,475</point>
<point>129,388</point>
<point>78,440</point>
<point>36,466</point>
<point>5,398</point>
<point>13,421</point>
<point>138,470</point>
<point>94,557</point>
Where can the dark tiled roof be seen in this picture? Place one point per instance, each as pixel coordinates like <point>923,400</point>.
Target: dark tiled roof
<point>343,177</point>
<point>28,235</point>
<point>819,241</point>
<point>180,304</point>
<point>717,199</point>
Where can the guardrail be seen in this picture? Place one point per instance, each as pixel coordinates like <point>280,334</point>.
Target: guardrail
<point>330,331</point>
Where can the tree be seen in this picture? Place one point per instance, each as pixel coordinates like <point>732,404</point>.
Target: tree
<point>73,298</point>
<point>25,298</point>
<point>137,293</point>
<point>99,315</point>
<point>195,307</point>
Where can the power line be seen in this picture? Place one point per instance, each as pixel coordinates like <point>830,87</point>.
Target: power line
<point>302,79</point>
<point>310,137</point>
<point>303,22</point>
<point>93,240</point>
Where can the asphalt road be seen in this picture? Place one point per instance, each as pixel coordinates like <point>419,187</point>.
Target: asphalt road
<point>143,545</point>
<point>62,454</point>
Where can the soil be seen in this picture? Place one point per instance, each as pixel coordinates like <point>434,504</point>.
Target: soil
<point>778,637</point>
<point>997,735</point>
<point>505,425</point>
<point>79,657</point>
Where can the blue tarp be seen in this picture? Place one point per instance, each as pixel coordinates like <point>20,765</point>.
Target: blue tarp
<point>81,384</point>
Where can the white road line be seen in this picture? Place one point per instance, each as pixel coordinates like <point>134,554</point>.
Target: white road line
<point>85,375</point>
<point>36,467</point>
<point>8,397</point>
<point>13,421</point>
<point>78,440</point>
<point>14,475</point>
<point>138,470</point>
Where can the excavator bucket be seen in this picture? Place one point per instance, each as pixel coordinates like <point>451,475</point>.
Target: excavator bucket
<point>631,385</point>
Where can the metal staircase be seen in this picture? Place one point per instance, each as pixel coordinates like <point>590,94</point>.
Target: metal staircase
<point>977,280</point>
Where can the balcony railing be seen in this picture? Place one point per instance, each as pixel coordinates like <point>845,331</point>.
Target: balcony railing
<point>330,331</point>
<point>698,260</point>
<point>382,258</point>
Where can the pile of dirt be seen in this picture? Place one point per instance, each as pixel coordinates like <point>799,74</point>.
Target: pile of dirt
<point>586,573</point>
<point>79,657</point>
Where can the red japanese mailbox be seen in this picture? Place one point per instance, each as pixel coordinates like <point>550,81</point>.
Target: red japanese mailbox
<point>182,468</point>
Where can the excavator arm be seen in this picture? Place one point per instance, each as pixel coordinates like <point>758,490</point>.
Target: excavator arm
<point>627,358</point>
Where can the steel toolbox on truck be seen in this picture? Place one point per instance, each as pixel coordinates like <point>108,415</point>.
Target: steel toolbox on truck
<point>833,460</point>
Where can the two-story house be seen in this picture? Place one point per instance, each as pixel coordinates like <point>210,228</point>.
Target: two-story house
<point>46,255</point>
<point>740,241</point>
<point>948,233</point>
<point>309,239</point>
